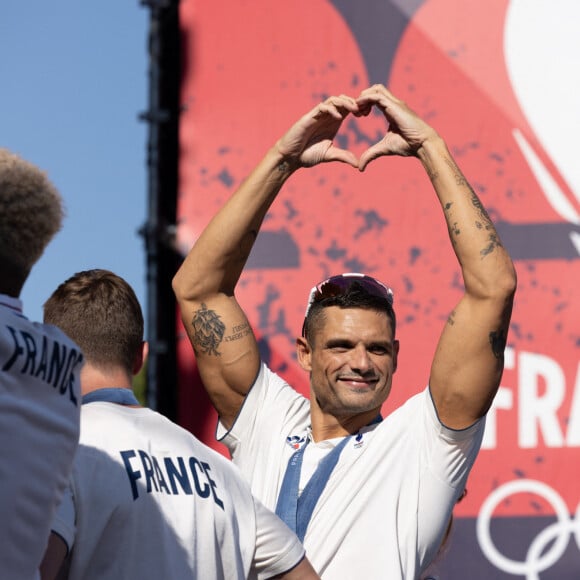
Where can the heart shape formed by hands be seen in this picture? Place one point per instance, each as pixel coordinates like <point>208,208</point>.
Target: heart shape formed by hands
<point>311,140</point>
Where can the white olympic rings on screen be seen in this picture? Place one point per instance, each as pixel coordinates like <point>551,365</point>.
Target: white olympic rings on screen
<point>537,557</point>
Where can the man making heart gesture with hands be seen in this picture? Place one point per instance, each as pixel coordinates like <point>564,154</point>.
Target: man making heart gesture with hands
<point>370,497</point>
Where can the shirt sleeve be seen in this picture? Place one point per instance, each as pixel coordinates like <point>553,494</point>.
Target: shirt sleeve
<point>449,455</point>
<point>270,403</point>
<point>452,452</point>
<point>278,549</point>
<point>64,520</point>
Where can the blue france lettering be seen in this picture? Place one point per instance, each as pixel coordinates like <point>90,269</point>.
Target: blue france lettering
<point>57,362</point>
<point>177,474</point>
<point>43,364</point>
<point>30,353</point>
<point>212,484</point>
<point>208,487</point>
<point>68,374</point>
<point>193,463</point>
<point>18,350</point>
<point>159,476</point>
<point>131,473</point>
<point>140,465</point>
<point>28,358</point>
<point>148,470</point>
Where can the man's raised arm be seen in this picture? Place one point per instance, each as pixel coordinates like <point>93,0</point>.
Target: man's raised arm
<point>223,341</point>
<point>468,362</point>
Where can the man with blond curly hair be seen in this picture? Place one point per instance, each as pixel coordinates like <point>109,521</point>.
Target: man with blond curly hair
<point>39,376</point>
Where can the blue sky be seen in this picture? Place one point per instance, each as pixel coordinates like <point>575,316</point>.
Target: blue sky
<point>74,80</point>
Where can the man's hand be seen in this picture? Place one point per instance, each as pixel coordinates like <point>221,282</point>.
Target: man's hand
<point>406,133</point>
<point>310,141</point>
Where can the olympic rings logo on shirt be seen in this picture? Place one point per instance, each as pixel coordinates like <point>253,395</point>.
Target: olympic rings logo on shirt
<point>556,535</point>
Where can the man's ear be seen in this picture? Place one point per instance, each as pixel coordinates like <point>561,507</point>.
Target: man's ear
<point>395,354</point>
<point>304,353</point>
<point>141,358</point>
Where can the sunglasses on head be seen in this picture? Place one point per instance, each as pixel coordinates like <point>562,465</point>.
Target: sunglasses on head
<point>340,284</point>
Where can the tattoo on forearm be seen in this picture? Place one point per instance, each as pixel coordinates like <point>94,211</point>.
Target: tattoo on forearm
<point>208,331</point>
<point>493,243</point>
<point>284,167</point>
<point>462,182</point>
<point>453,227</point>
<point>483,221</point>
<point>457,175</point>
<point>432,174</point>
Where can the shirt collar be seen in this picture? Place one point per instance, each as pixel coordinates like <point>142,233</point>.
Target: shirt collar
<point>11,303</point>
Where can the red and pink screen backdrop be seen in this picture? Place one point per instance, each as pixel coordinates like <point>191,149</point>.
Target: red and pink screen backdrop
<point>497,80</point>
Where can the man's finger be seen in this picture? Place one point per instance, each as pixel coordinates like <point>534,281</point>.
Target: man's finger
<point>369,155</point>
<point>342,155</point>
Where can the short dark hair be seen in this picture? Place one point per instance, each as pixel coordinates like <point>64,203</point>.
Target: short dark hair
<point>355,296</point>
<point>100,312</point>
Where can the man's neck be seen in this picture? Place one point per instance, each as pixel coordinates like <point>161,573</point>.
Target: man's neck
<point>326,426</point>
<point>13,278</point>
<point>93,379</point>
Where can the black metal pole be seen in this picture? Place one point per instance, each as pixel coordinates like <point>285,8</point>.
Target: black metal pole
<point>158,232</point>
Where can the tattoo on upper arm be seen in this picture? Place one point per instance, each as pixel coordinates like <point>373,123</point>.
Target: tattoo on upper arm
<point>498,341</point>
<point>238,331</point>
<point>451,318</point>
<point>498,338</point>
<point>208,331</point>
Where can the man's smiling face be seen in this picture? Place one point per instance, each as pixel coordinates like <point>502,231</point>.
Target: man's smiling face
<point>351,359</point>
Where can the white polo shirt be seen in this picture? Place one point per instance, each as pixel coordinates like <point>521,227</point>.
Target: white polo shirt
<point>149,500</point>
<point>39,430</point>
<point>387,502</point>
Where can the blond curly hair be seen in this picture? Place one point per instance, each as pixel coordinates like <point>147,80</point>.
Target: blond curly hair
<point>31,212</point>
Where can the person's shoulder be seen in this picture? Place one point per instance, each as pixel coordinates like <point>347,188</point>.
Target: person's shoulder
<point>271,382</point>
<point>410,405</point>
<point>20,329</point>
<point>180,437</point>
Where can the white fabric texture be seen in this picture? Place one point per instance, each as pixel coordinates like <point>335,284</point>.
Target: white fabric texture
<point>387,503</point>
<point>39,430</point>
<point>152,501</point>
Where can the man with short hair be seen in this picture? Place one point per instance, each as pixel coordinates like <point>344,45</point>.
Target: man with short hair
<point>147,499</point>
<point>370,497</point>
<point>39,376</point>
